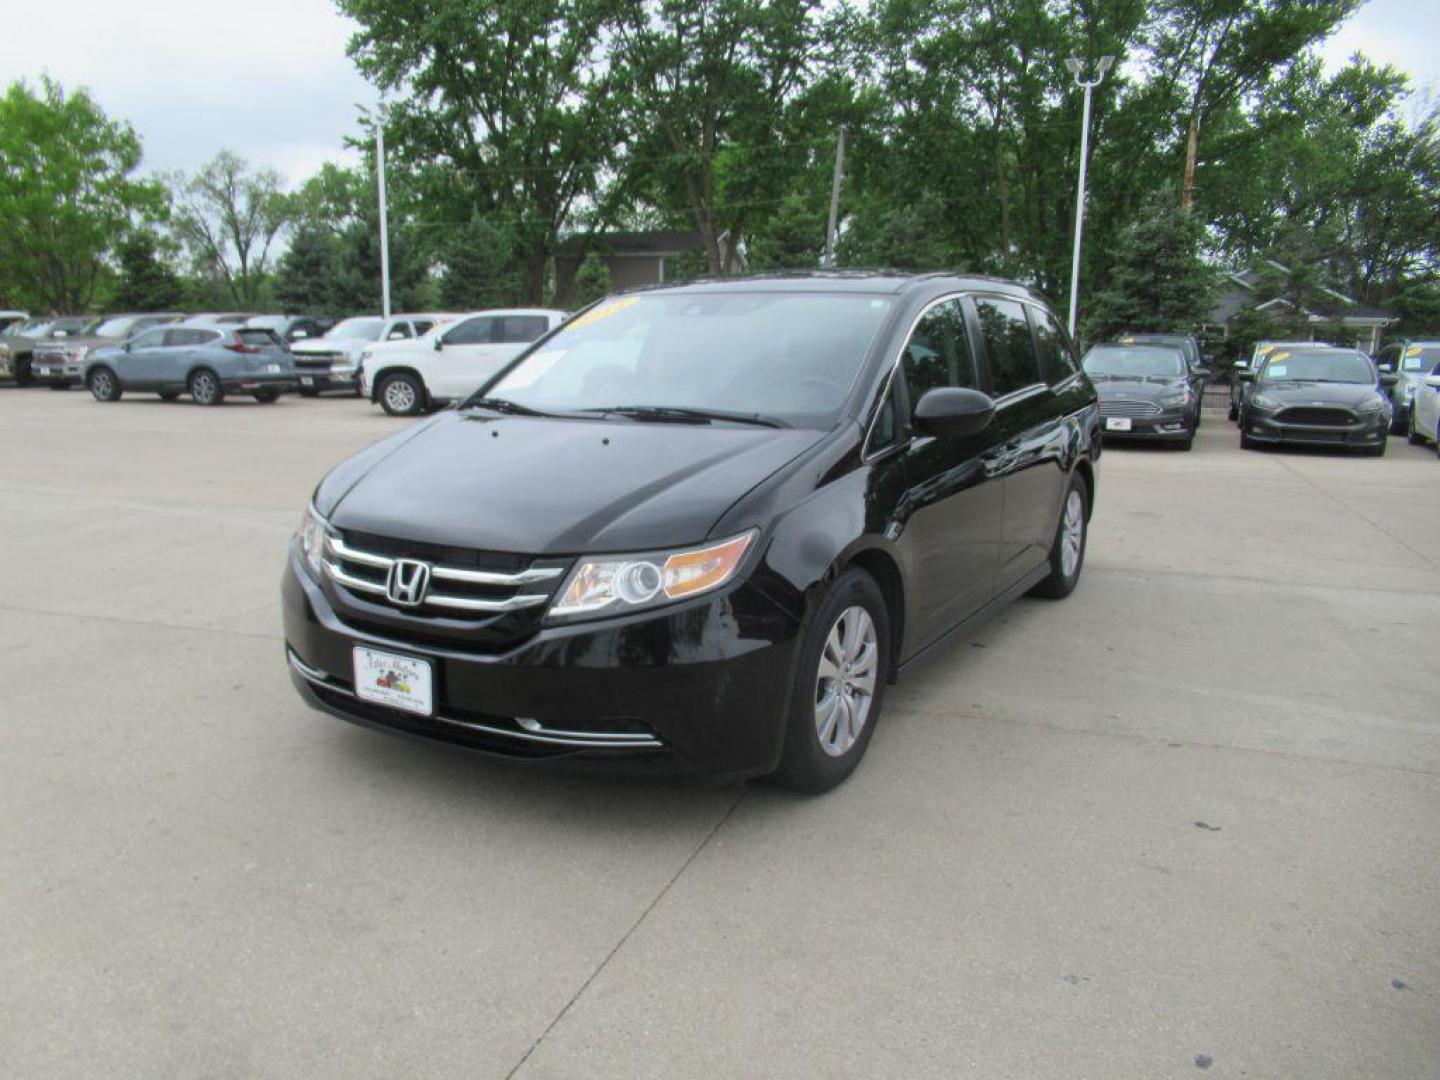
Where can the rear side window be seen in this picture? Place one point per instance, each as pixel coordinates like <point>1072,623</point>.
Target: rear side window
<point>422,326</point>
<point>471,332</point>
<point>938,352</point>
<point>1052,348</point>
<point>258,338</point>
<point>184,337</point>
<point>515,329</point>
<point>1008,345</point>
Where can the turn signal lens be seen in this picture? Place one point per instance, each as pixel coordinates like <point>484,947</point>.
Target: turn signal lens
<point>620,583</point>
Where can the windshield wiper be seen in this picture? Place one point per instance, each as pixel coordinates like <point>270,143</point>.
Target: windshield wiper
<point>504,405</point>
<point>675,414</point>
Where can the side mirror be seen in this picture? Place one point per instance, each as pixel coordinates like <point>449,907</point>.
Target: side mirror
<point>1387,366</point>
<point>951,410</point>
<point>395,335</point>
<point>1245,374</point>
<point>1433,380</point>
<point>1388,378</point>
<point>439,343</point>
<point>1201,372</point>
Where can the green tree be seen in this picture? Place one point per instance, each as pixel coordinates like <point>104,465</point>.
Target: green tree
<point>1159,280</point>
<point>67,190</point>
<point>147,282</point>
<point>592,279</point>
<point>228,216</point>
<point>479,272</point>
<point>305,276</point>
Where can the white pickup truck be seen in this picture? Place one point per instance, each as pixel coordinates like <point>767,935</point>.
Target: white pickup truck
<point>411,377</point>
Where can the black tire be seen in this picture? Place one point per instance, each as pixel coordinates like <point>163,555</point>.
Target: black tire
<point>309,391</point>
<point>1234,413</point>
<point>169,395</point>
<point>267,397</point>
<point>1377,451</point>
<point>1064,575</point>
<point>1414,437</point>
<point>1246,443</point>
<point>204,387</point>
<point>104,384</point>
<point>23,375</point>
<point>1400,423</point>
<point>401,395</point>
<point>1186,443</point>
<point>806,765</point>
<point>59,386</point>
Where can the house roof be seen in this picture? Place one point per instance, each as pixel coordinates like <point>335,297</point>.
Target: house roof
<point>653,242</point>
<point>1329,304</point>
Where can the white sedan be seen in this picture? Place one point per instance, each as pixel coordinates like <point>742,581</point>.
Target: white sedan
<point>1425,410</point>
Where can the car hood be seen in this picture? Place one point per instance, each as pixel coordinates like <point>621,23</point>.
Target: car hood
<point>1110,388</point>
<point>1344,395</point>
<point>351,349</point>
<point>543,486</point>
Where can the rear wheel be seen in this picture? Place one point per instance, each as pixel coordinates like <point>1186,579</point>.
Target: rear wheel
<point>169,395</point>
<point>1067,551</point>
<point>843,663</point>
<point>309,391</point>
<point>402,395</point>
<point>267,397</point>
<point>204,387</point>
<point>104,385</point>
<point>1234,413</point>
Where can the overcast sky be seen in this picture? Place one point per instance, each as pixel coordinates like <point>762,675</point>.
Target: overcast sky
<point>269,79</point>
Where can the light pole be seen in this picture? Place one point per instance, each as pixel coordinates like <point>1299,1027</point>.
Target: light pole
<point>384,223</point>
<point>1077,69</point>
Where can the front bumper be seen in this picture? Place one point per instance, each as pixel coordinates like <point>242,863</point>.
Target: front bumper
<point>1367,431</point>
<point>700,688</point>
<point>1166,427</point>
<point>338,376</point>
<point>56,371</point>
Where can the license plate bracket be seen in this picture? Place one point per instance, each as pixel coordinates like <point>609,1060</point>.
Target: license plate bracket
<point>1117,423</point>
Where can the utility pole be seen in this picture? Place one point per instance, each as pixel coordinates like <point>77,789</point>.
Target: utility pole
<point>1077,69</point>
<point>384,223</point>
<point>829,259</point>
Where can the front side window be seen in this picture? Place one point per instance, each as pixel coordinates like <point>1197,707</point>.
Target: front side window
<point>1052,347</point>
<point>399,330</point>
<point>938,352</point>
<point>1008,345</point>
<point>472,332</point>
<point>150,339</point>
<point>791,357</point>
<point>423,326</point>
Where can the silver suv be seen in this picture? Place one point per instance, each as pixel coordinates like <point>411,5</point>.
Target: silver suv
<point>1411,361</point>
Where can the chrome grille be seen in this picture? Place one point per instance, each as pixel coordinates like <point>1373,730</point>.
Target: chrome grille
<point>1128,407</point>
<point>1316,416</point>
<point>317,359</point>
<point>452,588</point>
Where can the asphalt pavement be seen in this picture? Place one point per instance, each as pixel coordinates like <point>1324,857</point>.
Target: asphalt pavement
<point>1182,823</point>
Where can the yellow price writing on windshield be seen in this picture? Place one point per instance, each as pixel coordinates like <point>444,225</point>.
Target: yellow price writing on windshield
<point>604,311</point>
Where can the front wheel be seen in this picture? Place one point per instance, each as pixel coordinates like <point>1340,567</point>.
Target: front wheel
<point>204,387</point>
<point>267,397</point>
<point>309,391</point>
<point>1412,433</point>
<point>1067,551</point>
<point>104,385</point>
<point>1378,450</point>
<point>402,395</point>
<point>844,660</point>
<point>169,395</point>
<point>59,386</point>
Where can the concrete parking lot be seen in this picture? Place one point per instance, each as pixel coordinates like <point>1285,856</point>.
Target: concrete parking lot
<point>1184,821</point>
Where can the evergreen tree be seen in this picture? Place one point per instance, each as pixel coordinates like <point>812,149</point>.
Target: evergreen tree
<point>1159,280</point>
<point>305,281</point>
<point>592,279</point>
<point>481,270</point>
<point>147,282</point>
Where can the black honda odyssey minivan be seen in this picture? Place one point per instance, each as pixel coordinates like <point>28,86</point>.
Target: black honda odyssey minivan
<point>700,528</point>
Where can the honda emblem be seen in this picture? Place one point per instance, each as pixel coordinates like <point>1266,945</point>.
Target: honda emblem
<point>407,582</point>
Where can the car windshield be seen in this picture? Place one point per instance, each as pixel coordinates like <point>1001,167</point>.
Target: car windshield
<point>788,357</point>
<point>113,327</point>
<point>357,329</point>
<point>1316,365</point>
<point>32,328</point>
<point>1420,359</point>
<point>1134,362</point>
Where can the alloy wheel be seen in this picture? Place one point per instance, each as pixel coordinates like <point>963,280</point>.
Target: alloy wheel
<point>102,385</point>
<point>1072,534</point>
<point>845,681</point>
<point>399,395</point>
<point>202,388</point>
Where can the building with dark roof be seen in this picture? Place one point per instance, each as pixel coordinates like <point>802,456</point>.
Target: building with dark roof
<point>1329,307</point>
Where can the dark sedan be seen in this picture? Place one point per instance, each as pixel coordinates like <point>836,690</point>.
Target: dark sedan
<point>700,528</point>
<point>1146,392</point>
<point>1317,397</point>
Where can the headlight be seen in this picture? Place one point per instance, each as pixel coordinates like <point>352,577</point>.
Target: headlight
<point>1264,401</point>
<point>311,534</point>
<point>1179,397</point>
<point>1375,404</point>
<point>78,353</point>
<point>620,583</point>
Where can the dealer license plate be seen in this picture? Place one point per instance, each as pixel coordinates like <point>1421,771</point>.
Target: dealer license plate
<point>272,369</point>
<point>401,682</point>
<point>307,381</point>
<point>43,370</point>
<point>1117,423</point>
